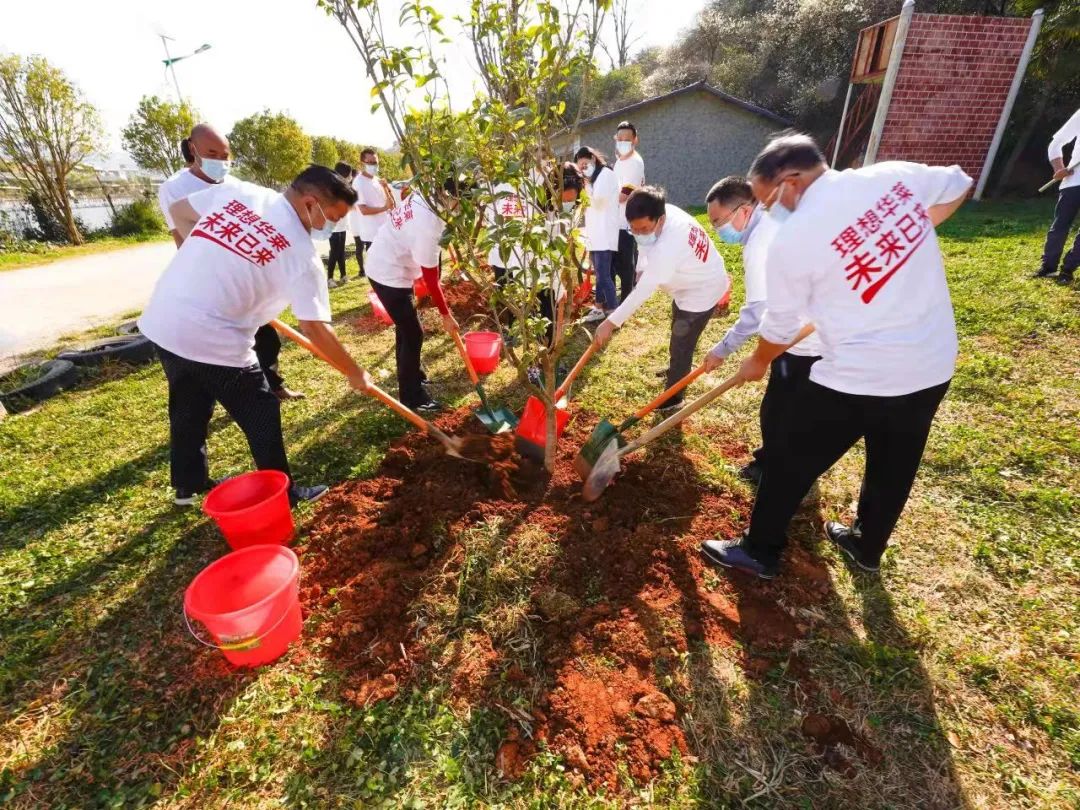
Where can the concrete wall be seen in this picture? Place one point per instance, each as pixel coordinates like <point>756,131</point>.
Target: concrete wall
<point>688,142</point>
<point>954,78</point>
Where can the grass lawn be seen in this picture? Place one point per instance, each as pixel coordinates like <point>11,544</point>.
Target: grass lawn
<point>960,663</point>
<point>47,254</point>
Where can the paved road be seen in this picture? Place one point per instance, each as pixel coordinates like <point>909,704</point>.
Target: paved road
<point>39,304</point>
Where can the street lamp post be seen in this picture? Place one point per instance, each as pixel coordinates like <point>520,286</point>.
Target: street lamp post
<point>170,62</point>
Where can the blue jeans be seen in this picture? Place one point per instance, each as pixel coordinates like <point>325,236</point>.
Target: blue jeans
<point>602,261</point>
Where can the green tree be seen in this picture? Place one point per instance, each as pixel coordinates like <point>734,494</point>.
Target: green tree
<point>154,131</point>
<point>527,51</point>
<point>47,130</point>
<point>325,151</point>
<point>349,152</point>
<point>269,148</point>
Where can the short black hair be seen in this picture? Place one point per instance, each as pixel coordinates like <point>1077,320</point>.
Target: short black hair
<point>788,150</point>
<point>730,192</point>
<point>627,125</point>
<point>457,185</point>
<point>324,182</point>
<point>344,169</point>
<point>185,150</point>
<point>646,201</point>
<point>572,178</point>
<point>594,154</point>
<point>368,152</point>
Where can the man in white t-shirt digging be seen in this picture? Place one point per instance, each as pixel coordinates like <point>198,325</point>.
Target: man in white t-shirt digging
<point>739,220</point>
<point>856,254</point>
<point>680,259</point>
<point>208,166</point>
<point>370,212</point>
<point>247,253</point>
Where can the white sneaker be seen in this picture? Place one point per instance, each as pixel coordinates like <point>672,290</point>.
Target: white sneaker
<point>330,283</point>
<point>594,315</point>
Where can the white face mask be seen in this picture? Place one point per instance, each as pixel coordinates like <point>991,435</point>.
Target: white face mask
<point>371,169</point>
<point>645,239</point>
<point>326,230</point>
<point>624,147</point>
<point>213,168</point>
<point>568,205</point>
<point>590,167</point>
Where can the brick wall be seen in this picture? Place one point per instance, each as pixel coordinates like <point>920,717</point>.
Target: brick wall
<point>955,74</point>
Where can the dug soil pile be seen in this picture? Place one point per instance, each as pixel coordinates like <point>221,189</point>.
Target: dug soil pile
<point>614,597</point>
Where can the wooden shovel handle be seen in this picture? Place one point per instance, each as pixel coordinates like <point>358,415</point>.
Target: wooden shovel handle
<point>676,388</point>
<point>685,413</point>
<point>398,408</point>
<point>456,335</point>
<point>578,366</point>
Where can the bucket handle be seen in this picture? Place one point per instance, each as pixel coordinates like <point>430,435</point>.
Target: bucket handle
<point>235,646</point>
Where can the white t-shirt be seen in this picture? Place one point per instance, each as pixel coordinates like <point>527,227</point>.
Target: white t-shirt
<point>602,215</point>
<point>508,204</point>
<point>409,241</point>
<point>755,252</point>
<point>684,263</point>
<point>371,193</point>
<point>629,171</point>
<point>181,186</point>
<point>1069,132</point>
<point>247,258</point>
<point>860,258</point>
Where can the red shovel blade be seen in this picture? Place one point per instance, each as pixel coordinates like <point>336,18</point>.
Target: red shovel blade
<point>533,424</point>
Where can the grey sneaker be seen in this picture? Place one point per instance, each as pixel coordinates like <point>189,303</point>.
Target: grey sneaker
<point>308,494</point>
<point>594,315</point>
<point>185,497</point>
<point>847,540</point>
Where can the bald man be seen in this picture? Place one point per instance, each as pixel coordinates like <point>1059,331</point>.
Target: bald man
<point>208,168</point>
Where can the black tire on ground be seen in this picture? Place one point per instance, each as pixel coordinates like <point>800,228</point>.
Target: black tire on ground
<point>128,328</point>
<point>56,375</point>
<point>134,349</point>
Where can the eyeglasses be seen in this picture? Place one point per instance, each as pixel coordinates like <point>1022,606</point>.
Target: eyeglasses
<point>771,200</point>
<point>730,216</point>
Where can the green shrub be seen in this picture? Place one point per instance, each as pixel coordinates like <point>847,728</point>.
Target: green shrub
<point>139,218</point>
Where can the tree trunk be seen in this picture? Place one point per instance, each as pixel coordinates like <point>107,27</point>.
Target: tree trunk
<point>1030,126</point>
<point>67,216</point>
<point>551,439</point>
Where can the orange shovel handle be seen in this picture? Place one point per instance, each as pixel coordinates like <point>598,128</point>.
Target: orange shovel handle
<point>676,388</point>
<point>456,335</point>
<point>387,400</point>
<point>561,392</point>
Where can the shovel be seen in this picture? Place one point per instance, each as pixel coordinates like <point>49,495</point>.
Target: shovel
<point>1052,183</point>
<point>604,432</point>
<point>531,435</point>
<point>607,464</point>
<point>496,420</point>
<point>452,443</point>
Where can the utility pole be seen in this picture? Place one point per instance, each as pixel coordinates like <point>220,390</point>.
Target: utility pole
<point>171,65</point>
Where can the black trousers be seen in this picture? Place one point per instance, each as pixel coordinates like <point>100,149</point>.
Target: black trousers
<point>826,424</point>
<point>361,248</point>
<point>337,254</point>
<point>686,328</point>
<point>788,373</point>
<point>408,341</point>
<point>625,265</point>
<point>244,393</point>
<point>1068,206</point>
<point>267,350</point>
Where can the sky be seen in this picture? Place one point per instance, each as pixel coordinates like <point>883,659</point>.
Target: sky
<point>285,55</point>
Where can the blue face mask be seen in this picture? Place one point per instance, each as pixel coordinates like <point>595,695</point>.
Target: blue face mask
<point>728,234</point>
<point>645,239</point>
<point>780,212</point>
<point>215,169</point>
<point>326,230</point>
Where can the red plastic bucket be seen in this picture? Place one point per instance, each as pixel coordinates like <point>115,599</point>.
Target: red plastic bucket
<point>484,349</point>
<point>533,424</point>
<point>249,601</point>
<point>252,508</point>
<point>419,288</point>
<point>378,309</point>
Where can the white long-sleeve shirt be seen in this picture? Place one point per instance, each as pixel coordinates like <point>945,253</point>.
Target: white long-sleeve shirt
<point>684,263</point>
<point>602,215</point>
<point>859,259</point>
<point>1069,132</point>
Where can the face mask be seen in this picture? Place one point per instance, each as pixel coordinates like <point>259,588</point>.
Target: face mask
<point>624,147</point>
<point>728,234</point>
<point>568,207</point>
<point>216,170</point>
<point>590,167</point>
<point>326,230</point>
<point>778,211</point>
<point>371,169</point>
<point>645,239</point>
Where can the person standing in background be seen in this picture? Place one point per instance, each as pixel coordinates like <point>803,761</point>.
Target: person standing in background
<point>630,172</point>
<point>369,214</point>
<point>207,153</point>
<point>1068,205</point>
<point>601,228</point>
<point>337,238</point>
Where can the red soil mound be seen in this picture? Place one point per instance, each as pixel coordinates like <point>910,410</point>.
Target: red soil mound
<point>613,610</point>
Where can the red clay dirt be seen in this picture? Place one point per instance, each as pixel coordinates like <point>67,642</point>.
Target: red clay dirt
<point>611,614</point>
